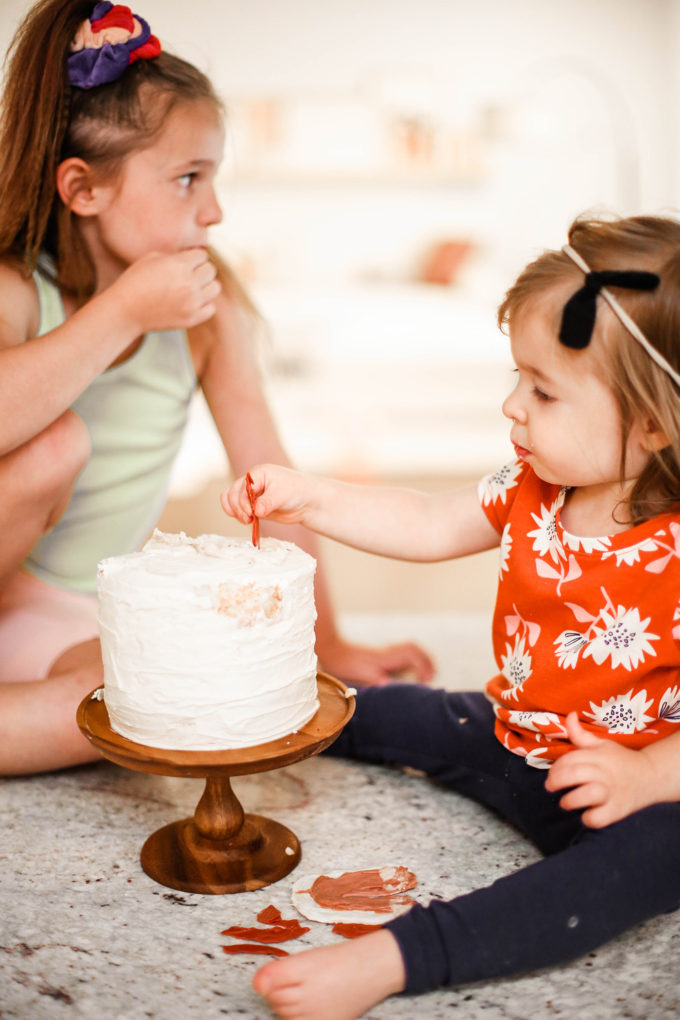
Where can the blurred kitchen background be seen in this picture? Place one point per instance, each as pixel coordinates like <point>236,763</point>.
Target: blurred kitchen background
<point>390,166</point>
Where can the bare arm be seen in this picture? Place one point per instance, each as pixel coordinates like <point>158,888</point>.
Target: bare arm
<point>401,523</point>
<point>41,377</point>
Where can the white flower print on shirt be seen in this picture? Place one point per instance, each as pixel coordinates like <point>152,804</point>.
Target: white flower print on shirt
<point>533,758</point>
<point>624,713</point>
<point>560,573</point>
<point>517,662</point>
<point>569,645</point>
<point>585,544</point>
<point>630,554</point>
<point>506,546</point>
<point>669,706</point>
<point>516,666</point>
<point>676,620</point>
<point>546,537</point>
<point>496,486</point>
<point>538,722</point>
<point>670,549</point>
<point>623,639</point>
<point>616,633</point>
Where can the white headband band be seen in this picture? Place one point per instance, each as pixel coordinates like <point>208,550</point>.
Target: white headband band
<point>625,319</point>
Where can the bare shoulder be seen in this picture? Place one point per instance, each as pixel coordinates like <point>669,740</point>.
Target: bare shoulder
<point>19,308</point>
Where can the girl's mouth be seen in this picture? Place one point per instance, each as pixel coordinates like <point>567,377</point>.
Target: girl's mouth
<point>521,451</point>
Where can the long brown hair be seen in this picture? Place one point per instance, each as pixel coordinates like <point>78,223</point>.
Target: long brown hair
<point>43,120</point>
<point>644,392</point>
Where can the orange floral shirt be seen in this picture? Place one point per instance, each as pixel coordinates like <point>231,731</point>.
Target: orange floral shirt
<point>584,624</point>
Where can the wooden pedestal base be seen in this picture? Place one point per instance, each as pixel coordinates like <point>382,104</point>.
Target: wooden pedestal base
<point>263,852</point>
<point>221,849</point>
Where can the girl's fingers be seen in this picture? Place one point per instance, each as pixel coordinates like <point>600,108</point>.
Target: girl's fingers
<point>570,770</point>
<point>587,796</point>
<point>579,736</point>
<point>211,291</point>
<point>235,502</point>
<point>600,816</point>
<point>206,277</point>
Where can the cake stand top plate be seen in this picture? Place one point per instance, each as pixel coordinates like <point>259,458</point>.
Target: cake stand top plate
<point>336,707</point>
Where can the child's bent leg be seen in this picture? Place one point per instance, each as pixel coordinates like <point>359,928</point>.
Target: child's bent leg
<point>36,481</point>
<point>450,737</point>
<point>38,622</point>
<point>546,914</point>
<point>38,729</point>
<point>435,731</point>
<point>604,883</point>
<point>50,660</point>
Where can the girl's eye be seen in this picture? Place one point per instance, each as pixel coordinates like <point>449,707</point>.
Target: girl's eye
<point>540,395</point>
<point>186,180</point>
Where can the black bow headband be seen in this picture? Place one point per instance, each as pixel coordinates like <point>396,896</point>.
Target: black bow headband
<point>578,317</point>
<point>582,331</point>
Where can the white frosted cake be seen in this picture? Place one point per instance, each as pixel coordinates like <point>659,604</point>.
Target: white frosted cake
<point>208,643</point>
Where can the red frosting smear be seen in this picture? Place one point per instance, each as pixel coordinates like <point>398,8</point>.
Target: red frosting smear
<point>243,947</point>
<point>270,915</point>
<point>364,890</point>
<point>354,931</point>
<point>277,933</point>
<point>279,930</point>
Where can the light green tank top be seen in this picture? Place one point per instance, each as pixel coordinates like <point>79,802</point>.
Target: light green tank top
<point>135,413</point>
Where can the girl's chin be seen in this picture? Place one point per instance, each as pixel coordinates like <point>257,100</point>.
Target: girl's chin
<point>544,473</point>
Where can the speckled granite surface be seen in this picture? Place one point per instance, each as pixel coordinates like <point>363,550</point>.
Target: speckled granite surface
<point>85,933</point>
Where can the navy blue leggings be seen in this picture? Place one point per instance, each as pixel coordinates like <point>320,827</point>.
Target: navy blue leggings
<point>591,885</point>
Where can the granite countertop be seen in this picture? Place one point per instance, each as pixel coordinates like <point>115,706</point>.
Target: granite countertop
<point>86,933</point>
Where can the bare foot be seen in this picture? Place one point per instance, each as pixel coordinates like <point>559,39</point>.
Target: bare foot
<point>339,982</point>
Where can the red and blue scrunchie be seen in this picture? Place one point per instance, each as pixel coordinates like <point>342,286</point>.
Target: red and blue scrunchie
<point>107,43</point>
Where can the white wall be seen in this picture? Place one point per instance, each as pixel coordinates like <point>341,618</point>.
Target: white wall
<point>572,105</point>
<point>585,89</point>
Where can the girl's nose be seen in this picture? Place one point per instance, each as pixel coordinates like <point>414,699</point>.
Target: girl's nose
<point>211,212</point>
<point>509,407</point>
<point>513,408</point>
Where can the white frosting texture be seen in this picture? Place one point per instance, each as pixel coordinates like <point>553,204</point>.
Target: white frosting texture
<point>208,643</point>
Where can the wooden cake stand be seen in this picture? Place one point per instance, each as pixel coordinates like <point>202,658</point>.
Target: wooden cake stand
<point>221,849</point>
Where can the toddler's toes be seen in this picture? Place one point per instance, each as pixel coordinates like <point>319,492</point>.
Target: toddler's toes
<point>272,976</point>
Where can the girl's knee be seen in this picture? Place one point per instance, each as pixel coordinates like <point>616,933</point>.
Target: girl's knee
<point>408,724</point>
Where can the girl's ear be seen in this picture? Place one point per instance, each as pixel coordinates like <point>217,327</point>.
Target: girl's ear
<point>653,438</point>
<point>76,186</point>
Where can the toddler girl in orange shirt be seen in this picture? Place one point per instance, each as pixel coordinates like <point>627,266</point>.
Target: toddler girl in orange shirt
<point>576,740</point>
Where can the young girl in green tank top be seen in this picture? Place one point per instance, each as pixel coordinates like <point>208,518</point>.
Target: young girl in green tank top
<point>113,308</point>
